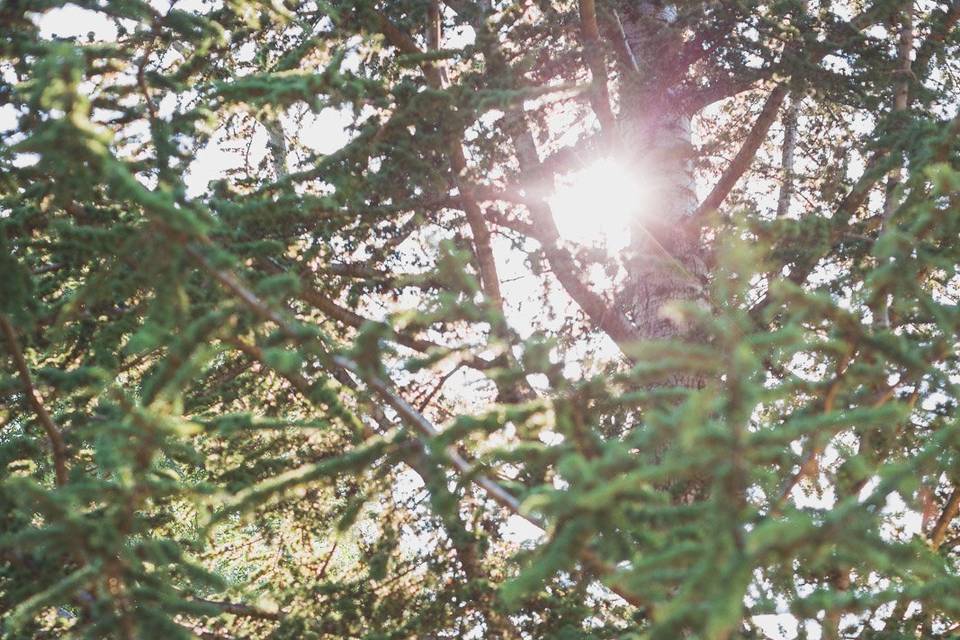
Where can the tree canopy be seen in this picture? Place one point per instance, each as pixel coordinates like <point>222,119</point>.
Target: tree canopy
<point>296,343</point>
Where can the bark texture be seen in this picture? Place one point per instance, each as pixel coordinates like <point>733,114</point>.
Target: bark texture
<point>788,153</point>
<point>666,262</point>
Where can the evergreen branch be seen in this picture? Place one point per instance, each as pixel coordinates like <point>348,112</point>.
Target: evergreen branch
<point>467,554</point>
<point>239,609</point>
<point>838,36</point>
<point>420,424</point>
<point>387,278</point>
<point>935,40</point>
<point>458,163</point>
<point>601,313</point>
<point>499,495</point>
<point>57,445</point>
<point>50,596</point>
<point>318,300</point>
<point>874,171</point>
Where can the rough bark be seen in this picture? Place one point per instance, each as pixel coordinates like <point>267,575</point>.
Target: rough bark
<point>901,94</point>
<point>787,153</point>
<point>666,258</point>
<point>901,102</point>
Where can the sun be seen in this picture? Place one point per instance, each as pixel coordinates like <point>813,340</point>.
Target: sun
<point>598,204</point>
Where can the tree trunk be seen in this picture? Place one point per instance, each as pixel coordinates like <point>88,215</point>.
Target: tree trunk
<point>666,261</point>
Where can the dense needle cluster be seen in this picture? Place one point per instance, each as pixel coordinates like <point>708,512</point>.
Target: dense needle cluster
<point>366,389</point>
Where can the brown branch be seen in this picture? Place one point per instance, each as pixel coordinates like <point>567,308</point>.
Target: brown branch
<point>327,305</point>
<point>434,25</point>
<point>746,154</point>
<point>478,227</point>
<point>544,228</point>
<point>467,554</point>
<point>568,157</point>
<point>593,51</point>
<point>458,163</point>
<point>520,226</point>
<point>809,465</point>
<point>418,422</point>
<point>603,316</point>
<point>950,511</point>
<point>143,86</point>
<point>407,413</point>
<point>323,568</point>
<point>352,319</point>
<point>620,45</point>
<point>57,445</point>
<point>424,401</point>
<point>388,278</point>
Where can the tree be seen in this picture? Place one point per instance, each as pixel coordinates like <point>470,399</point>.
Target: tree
<point>374,391</point>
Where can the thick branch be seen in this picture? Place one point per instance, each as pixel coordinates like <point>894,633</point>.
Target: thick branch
<point>787,153</point>
<point>744,157</point>
<point>593,51</point>
<point>950,511</point>
<point>603,316</point>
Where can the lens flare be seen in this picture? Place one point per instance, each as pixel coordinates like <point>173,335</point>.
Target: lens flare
<point>597,205</point>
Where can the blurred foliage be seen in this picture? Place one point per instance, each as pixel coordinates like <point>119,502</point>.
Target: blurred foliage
<point>288,406</point>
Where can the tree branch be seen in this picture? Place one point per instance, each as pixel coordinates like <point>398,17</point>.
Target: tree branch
<point>239,609</point>
<point>950,511</point>
<point>621,47</point>
<point>746,154</point>
<point>350,318</point>
<point>593,51</point>
<point>787,153</point>
<point>407,413</point>
<point>935,39</point>
<point>57,445</point>
<point>458,163</point>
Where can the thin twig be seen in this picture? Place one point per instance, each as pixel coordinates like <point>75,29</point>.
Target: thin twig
<point>57,444</point>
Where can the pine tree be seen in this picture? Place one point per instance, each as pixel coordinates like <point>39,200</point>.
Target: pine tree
<point>371,389</point>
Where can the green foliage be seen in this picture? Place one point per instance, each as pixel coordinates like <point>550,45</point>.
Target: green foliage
<point>361,384</point>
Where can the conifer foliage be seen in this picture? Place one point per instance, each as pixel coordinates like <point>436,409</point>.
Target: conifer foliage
<point>362,384</point>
